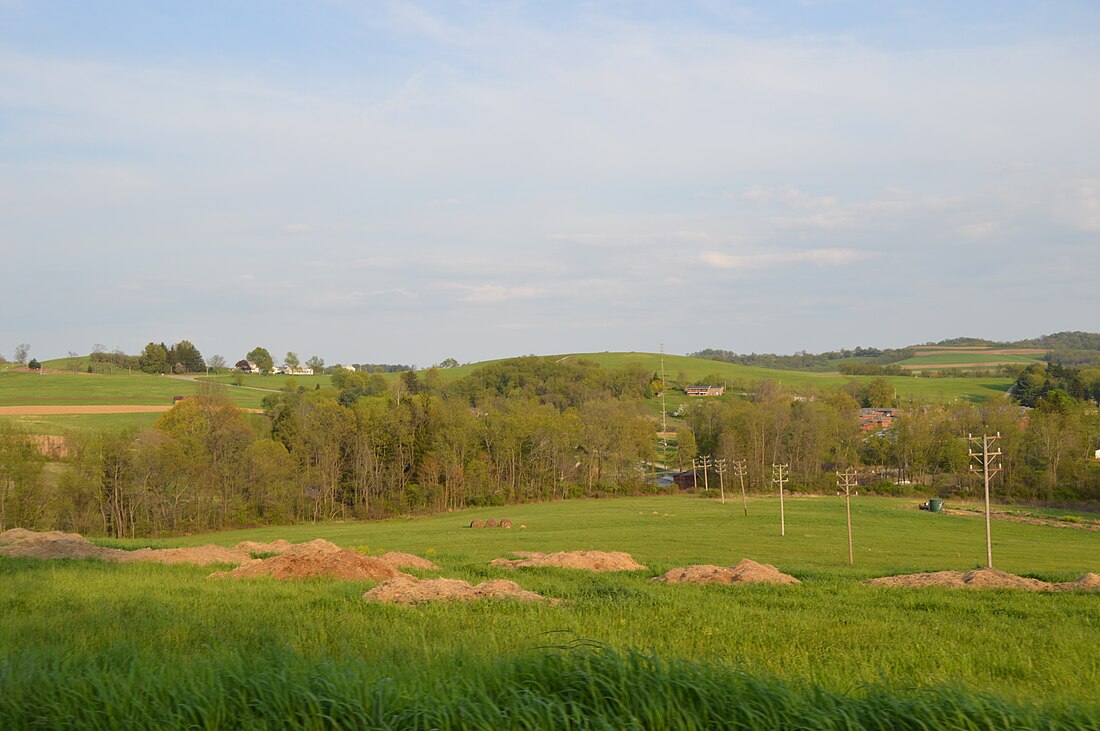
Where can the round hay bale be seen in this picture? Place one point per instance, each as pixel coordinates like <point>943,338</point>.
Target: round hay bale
<point>505,523</point>
<point>491,523</point>
<point>476,523</point>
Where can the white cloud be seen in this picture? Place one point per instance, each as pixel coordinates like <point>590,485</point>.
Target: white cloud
<point>492,293</point>
<point>823,257</point>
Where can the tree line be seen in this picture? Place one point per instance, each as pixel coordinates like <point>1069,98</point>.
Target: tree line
<point>525,429</point>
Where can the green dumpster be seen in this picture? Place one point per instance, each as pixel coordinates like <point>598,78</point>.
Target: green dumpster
<point>935,505</point>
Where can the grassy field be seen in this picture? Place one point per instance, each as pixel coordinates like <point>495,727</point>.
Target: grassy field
<point>106,629</point>
<point>968,357</point>
<point>23,388</point>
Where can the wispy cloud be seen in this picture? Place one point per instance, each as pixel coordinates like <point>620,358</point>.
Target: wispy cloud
<point>748,262</point>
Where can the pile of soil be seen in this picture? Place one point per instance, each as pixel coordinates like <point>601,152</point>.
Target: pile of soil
<point>747,571</point>
<point>584,560</point>
<point>21,543</point>
<point>316,558</point>
<point>399,560</point>
<point>407,590</point>
<point>985,578</point>
<point>274,547</point>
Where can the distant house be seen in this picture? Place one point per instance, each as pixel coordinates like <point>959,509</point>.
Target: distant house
<point>292,370</point>
<point>247,366</point>
<point>876,419</point>
<point>705,390</point>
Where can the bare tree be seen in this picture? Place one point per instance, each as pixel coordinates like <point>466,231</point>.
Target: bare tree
<point>21,352</point>
<point>215,362</point>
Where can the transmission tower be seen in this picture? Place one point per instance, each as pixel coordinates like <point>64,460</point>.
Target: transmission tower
<point>989,459</point>
<point>846,481</point>
<point>741,469</point>
<point>779,477</point>
<point>720,466</point>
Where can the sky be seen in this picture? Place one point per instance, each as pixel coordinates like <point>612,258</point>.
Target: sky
<point>413,181</point>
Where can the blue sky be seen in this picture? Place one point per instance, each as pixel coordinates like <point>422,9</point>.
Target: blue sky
<point>403,181</point>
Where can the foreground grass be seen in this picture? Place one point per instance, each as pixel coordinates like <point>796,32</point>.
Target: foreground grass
<point>105,643</point>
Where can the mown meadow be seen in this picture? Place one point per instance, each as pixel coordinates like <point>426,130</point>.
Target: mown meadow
<point>86,644</point>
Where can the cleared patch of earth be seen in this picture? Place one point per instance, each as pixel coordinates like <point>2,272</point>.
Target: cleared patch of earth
<point>1054,522</point>
<point>747,571</point>
<point>583,560</point>
<point>407,590</point>
<point>985,578</point>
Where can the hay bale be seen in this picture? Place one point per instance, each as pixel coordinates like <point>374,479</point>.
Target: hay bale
<point>491,523</point>
<point>477,523</point>
<point>505,523</point>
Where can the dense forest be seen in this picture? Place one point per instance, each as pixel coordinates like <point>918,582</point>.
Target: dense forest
<point>525,429</point>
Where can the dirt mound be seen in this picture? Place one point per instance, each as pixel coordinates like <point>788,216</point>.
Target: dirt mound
<point>279,546</point>
<point>200,555</point>
<point>407,590</point>
<point>947,579</point>
<point>747,571</point>
<point>1086,582</point>
<point>997,579</point>
<point>15,535</point>
<point>398,560</point>
<point>316,558</point>
<point>584,560</point>
<point>23,543</point>
<point>986,579</point>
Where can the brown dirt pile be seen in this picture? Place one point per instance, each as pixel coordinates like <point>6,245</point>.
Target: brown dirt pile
<point>21,543</point>
<point>985,579</point>
<point>407,590</point>
<point>279,546</point>
<point>747,571</point>
<point>399,560</point>
<point>316,558</point>
<point>583,560</point>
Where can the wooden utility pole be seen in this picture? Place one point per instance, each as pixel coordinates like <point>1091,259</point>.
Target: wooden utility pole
<point>705,463</point>
<point>846,481</point>
<point>694,472</point>
<point>720,465</point>
<point>990,460</point>
<point>740,468</point>
<point>779,477</point>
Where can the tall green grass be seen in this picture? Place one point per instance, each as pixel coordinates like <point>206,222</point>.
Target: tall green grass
<point>585,689</point>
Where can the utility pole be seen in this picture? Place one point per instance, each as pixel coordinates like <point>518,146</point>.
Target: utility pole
<point>695,472</point>
<point>846,481</point>
<point>706,463</point>
<point>779,477</point>
<point>740,468</point>
<point>720,465</point>
<point>990,460</point>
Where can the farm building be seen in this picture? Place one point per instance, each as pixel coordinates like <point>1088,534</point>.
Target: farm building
<point>876,419</point>
<point>705,390</point>
<point>292,371</point>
